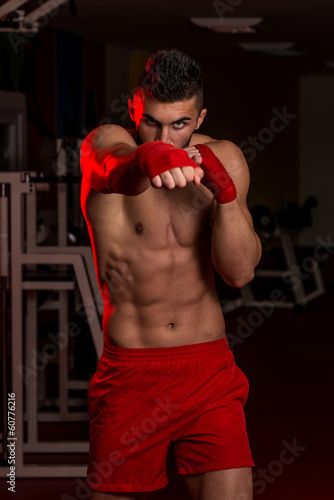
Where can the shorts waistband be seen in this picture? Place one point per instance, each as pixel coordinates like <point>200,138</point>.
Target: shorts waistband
<point>165,353</point>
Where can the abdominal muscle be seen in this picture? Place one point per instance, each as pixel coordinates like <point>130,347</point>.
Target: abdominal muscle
<point>162,298</point>
<point>133,327</point>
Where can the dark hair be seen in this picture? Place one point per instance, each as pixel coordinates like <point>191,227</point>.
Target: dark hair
<point>171,76</point>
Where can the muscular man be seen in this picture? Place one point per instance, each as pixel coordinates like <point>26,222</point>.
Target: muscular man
<point>164,207</point>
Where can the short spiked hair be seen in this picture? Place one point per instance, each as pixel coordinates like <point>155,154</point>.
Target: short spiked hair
<point>171,76</point>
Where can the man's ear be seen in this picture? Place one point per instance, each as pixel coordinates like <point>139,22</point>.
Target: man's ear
<point>201,118</point>
<point>131,109</point>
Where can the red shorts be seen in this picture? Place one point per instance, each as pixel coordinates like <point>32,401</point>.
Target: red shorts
<point>142,400</point>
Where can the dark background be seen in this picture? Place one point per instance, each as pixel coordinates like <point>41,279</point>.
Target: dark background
<point>78,72</point>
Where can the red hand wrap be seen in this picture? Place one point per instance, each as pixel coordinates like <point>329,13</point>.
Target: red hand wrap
<point>216,177</point>
<point>154,158</point>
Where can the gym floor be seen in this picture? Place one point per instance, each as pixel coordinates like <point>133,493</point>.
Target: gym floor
<point>287,357</point>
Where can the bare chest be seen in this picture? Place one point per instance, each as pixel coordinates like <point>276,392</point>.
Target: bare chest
<point>162,218</point>
<point>157,233</point>
<point>157,226</point>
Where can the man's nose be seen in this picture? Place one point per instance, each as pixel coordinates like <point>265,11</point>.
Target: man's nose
<point>163,135</point>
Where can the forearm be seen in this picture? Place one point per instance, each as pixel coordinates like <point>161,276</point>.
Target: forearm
<point>112,170</point>
<point>236,248</point>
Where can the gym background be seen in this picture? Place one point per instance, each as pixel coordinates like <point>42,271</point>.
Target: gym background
<point>270,91</point>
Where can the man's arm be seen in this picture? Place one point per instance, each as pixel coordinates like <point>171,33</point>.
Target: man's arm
<point>236,248</point>
<point>106,162</point>
<point>111,162</point>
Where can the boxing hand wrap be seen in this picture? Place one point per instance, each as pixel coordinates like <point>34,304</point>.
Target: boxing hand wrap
<point>216,177</point>
<point>154,158</point>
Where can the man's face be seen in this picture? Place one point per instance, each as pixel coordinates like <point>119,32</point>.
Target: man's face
<point>171,123</point>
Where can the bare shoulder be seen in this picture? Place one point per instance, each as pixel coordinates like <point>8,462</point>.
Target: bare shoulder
<point>231,157</point>
<point>200,139</point>
<point>229,154</point>
<point>107,136</point>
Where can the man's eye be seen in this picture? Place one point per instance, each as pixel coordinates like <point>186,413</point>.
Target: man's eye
<point>179,124</point>
<point>150,121</point>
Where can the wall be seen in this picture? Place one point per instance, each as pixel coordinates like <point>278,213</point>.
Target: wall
<point>317,153</point>
<point>244,106</point>
<point>117,75</point>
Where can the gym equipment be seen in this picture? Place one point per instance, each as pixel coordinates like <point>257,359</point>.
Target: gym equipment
<point>295,217</point>
<point>16,21</point>
<point>289,217</point>
<point>264,220</point>
<point>71,269</point>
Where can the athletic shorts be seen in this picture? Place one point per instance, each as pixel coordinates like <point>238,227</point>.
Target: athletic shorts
<point>142,400</point>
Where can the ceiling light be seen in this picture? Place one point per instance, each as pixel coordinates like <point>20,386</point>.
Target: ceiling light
<point>266,46</point>
<point>227,24</point>
<point>280,49</point>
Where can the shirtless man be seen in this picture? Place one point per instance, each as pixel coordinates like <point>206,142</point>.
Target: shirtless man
<point>163,212</point>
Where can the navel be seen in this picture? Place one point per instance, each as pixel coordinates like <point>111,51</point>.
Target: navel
<point>171,326</point>
<point>139,228</point>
